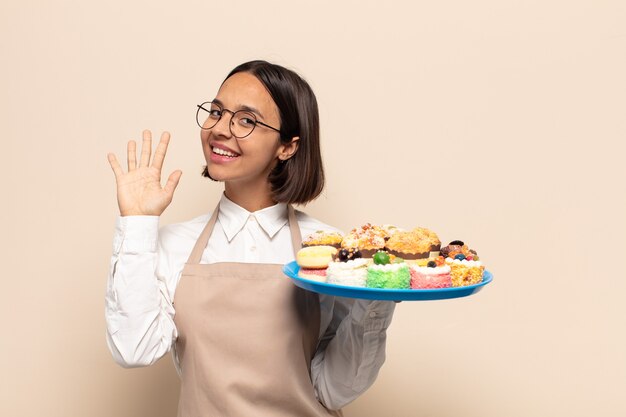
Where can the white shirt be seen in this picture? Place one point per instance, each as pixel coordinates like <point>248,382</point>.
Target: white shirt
<point>146,266</point>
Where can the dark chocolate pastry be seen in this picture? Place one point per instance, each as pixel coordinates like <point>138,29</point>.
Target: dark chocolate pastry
<point>346,254</point>
<point>445,251</point>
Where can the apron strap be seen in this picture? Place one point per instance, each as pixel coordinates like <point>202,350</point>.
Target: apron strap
<point>196,253</point>
<point>296,236</point>
<point>203,239</point>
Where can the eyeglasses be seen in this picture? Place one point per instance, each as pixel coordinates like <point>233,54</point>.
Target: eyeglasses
<point>242,122</point>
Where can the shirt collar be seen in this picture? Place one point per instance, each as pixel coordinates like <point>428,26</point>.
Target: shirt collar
<point>233,218</point>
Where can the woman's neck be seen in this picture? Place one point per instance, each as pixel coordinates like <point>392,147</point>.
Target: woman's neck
<point>252,197</point>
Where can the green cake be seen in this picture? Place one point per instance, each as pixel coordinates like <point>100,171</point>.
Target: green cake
<point>395,275</point>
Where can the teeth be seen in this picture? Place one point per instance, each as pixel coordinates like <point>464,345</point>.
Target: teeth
<point>223,152</point>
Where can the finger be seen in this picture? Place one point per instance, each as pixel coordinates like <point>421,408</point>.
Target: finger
<point>161,150</point>
<point>172,181</point>
<point>146,149</point>
<point>117,169</point>
<point>132,155</point>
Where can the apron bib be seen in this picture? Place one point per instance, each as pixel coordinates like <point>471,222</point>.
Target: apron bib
<point>246,338</point>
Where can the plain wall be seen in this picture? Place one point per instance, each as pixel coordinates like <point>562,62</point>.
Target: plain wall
<point>500,123</point>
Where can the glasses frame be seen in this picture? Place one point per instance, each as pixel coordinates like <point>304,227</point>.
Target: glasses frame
<point>232,115</point>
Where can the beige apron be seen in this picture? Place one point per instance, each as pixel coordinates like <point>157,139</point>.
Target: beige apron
<point>246,338</point>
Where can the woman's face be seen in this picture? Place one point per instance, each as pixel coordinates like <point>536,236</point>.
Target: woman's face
<point>251,159</point>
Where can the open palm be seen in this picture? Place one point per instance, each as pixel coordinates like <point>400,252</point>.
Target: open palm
<point>139,191</point>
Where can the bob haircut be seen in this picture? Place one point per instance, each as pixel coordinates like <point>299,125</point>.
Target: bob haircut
<point>299,179</point>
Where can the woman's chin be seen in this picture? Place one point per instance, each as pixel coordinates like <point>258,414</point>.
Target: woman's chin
<point>221,173</point>
<point>212,173</point>
<point>216,175</point>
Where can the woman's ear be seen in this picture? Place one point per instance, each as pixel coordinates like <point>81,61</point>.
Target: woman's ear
<point>287,150</point>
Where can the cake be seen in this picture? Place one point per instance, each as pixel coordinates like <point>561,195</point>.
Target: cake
<point>313,274</point>
<point>346,254</point>
<point>367,238</point>
<point>323,238</point>
<point>464,272</point>
<point>430,276</point>
<point>389,276</point>
<point>457,247</point>
<point>315,256</point>
<point>352,272</point>
<point>419,243</point>
<point>466,268</point>
<point>374,257</point>
<point>313,261</point>
<point>384,274</point>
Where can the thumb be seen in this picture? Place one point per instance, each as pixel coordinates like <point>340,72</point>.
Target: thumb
<point>172,181</point>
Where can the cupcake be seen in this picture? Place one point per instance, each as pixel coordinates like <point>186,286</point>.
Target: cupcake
<point>383,274</point>
<point>417,244</point>
<point>367,238</point>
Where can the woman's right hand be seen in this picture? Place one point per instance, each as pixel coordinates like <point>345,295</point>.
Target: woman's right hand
<point>139,191</point>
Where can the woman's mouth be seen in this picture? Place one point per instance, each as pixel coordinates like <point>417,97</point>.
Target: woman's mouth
<point>222,155</point>
<point>224,152</point>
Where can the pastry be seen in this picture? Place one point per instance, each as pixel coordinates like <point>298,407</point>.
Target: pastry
<point>458,247</point>
<point>430,276</point>
<point>367,238</point>
<point>346,254</point>
<point>323,238</point>
<point>313,274</point>
<point>315,256</point>
<point>464,272</point>
<point>313,261</point>
<point>383,274</point>
<point>352,272</point>
<point>466,268</point>
<point>419,243</point>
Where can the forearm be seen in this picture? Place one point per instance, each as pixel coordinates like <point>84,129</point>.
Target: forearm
<point>138,312</point>
<point>350,363</point>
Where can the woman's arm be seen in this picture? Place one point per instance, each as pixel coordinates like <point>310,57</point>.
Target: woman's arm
<point>139,312</point>
<point>352,350</point>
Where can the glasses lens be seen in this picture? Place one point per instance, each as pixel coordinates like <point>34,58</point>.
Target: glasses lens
<point>243,124</point>
<point>208,115</point>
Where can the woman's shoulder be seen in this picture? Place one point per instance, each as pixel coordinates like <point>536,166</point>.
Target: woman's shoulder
<point>309,224</point>
<point>187,230</point>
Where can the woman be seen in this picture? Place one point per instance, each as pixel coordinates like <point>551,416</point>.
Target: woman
<point>246,341</point>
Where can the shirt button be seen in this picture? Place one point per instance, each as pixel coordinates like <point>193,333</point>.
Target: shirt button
<point>252,248</point>
<point>252,218</point>
<point>372,314</point>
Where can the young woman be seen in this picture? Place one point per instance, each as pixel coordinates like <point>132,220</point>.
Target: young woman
<point>246,341</point>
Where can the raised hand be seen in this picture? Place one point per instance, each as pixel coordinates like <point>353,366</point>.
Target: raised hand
<point>139,191</point>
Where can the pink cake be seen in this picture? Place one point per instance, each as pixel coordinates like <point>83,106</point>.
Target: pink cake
<point>430,277</point>
<point>313,274</point>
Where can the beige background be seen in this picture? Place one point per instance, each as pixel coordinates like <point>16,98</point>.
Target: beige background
<point>497,122</point>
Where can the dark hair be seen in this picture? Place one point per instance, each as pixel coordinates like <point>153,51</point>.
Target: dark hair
<point>299,179</point>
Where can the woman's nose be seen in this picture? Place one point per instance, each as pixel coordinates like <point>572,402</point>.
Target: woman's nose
<point>222,127</point>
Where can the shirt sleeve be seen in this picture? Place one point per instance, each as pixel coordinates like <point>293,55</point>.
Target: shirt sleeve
<point>351,351</point>
<point>138,307</point>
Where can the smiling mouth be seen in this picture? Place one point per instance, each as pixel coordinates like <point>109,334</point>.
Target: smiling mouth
<point>223,152</point>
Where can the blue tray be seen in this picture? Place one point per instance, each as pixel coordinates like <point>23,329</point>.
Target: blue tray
<point>291,270</point>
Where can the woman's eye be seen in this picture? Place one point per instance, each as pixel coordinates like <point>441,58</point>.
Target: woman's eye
<point>216,114</point>
<point>246,121</point>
